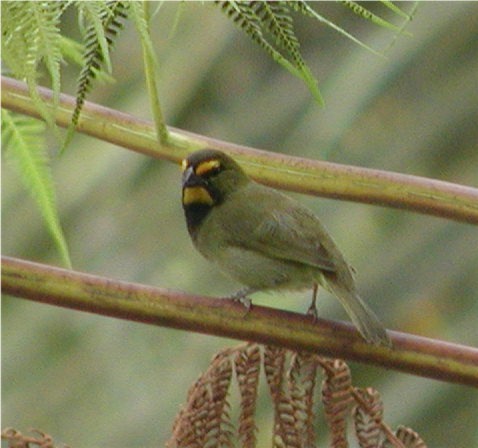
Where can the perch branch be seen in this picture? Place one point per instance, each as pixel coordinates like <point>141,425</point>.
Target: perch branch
<point>162,307</point>
<point>418,194</point>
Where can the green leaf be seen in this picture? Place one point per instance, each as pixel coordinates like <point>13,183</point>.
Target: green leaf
<point>31,37</point>
<point>369,15</point>
<point>396,10</point>
<point>73,51</point>
<point>139,12</point>
<point>106,16</point>
<point>46,29</point>
<point>23,139</point>
<point>255,18</point>
<point>305,9</point>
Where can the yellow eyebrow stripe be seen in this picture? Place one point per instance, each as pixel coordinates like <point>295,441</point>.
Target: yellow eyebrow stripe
<point>207,166</point>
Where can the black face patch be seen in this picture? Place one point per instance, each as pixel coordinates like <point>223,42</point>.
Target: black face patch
<point>195,214</point>
<point>199,195</point>
<point>209,176</point>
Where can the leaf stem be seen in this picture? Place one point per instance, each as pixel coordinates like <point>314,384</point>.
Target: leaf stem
<point>402,191</point>
<point>157,306</point>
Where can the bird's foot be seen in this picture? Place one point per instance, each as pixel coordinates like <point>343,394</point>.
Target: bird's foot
<point>312,312</point>
<point>241,297</point>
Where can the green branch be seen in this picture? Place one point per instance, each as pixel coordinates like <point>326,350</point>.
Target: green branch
<point>163,307</point>
<point>418,194</point>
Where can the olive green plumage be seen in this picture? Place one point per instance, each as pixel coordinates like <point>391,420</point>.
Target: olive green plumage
<point>264,239</point>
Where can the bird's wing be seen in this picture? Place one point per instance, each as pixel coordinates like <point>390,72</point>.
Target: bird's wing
<point>274,224</point>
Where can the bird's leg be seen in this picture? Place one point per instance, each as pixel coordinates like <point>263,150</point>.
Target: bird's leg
<point>241,297</point>
<point>312,311</point>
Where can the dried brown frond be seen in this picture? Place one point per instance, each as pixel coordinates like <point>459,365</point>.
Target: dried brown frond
<point>408,438</point>
<point>285,431</point>
<point>292,379</point>
<point>189,428</point>
<point>301,378</point>
<point>337,398</point>
<point>18,440</point>
<point>218,423</point>
<point>274,362</point>
<point>367,417</point>
<point>247,364</point>
<point>204,418</point>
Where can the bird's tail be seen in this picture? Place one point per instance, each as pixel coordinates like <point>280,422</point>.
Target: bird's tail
<point>362,316</point>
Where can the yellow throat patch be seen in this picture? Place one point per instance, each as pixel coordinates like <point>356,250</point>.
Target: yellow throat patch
<point>197,195</point>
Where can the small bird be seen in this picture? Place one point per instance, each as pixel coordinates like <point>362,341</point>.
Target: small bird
<point>266,240</point>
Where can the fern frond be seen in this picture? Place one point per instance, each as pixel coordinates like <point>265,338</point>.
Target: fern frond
<point>393,7</point>
<point>139,12</point>
<point>218,424</point>
<point>29,32</point>
<point>337,398</point>
<point>18,440</point>
<point>139,17</point>
<point>277,20</point>
<point>367,420</point>
<point>73,51</point>
<point>23,139</point>
<point>189,429</point>
<point>291,377</point>
<point>247,366</point>
<point>205,419</point>
<point>100,37</point>
<point>301,384</point>
<point>46,17</point>
<point>284,429</point>
<point>245,17</point>
<point>369,15</point>
<point>304,8</point>
<point>94,15</point>
<point>408,18</point>
<point>408,437</point>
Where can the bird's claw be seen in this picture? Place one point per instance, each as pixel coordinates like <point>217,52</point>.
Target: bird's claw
<point>312,311</point>
<point>241,297</point>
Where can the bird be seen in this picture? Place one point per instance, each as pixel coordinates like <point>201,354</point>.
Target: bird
<point>266,240</point>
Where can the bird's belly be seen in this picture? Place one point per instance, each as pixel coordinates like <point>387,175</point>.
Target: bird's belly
<point>260,272</point>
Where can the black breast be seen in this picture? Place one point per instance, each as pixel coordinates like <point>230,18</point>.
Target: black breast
<point>195,215</point>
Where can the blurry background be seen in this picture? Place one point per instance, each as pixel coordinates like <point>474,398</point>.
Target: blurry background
<point>96,381</point>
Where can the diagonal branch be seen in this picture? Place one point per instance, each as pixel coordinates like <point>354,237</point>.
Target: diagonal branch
<point>162,307</point>
<point>418,194</point>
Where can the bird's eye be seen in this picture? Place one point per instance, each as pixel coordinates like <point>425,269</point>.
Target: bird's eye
<point>208,168</point>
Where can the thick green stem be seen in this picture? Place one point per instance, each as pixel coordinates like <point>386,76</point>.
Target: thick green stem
<point>417,194</point>
<point>162,307</point>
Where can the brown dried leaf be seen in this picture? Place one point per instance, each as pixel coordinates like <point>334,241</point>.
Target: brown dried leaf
<point>337,399</point>
<point>204,417</point>
<point>407,437</point>
<point>367,416</point>
<point>247,365</point>
<point>218,424</point>
<point>189,428</point>
<point>301,384</point>
<point>284,432</point>
<point>274,360</point>
<point>18,440</point>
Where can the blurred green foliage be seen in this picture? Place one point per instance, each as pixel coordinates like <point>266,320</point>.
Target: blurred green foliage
<point>95,381</point>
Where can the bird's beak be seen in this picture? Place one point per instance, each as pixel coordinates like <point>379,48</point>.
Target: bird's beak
<point>195,189</point>
<point>188,176</point>
<point>191,179</point>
